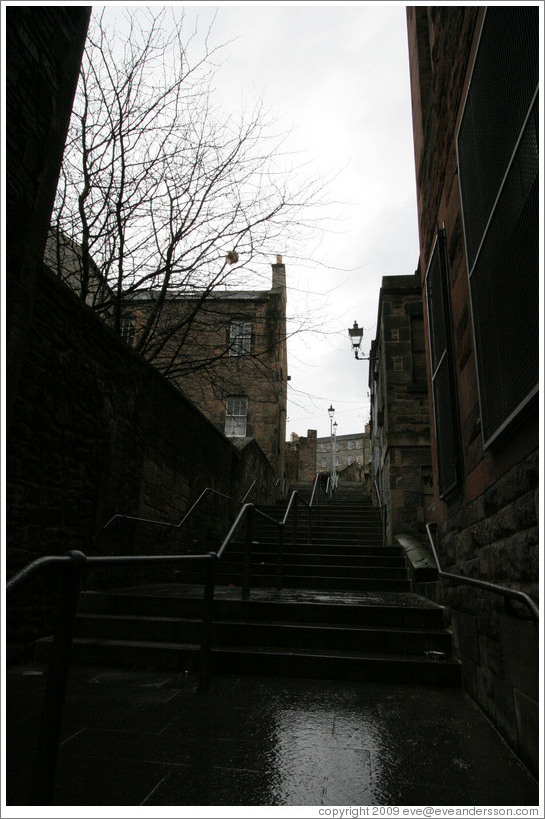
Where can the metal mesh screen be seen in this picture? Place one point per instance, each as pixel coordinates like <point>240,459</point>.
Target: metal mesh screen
<point>499,186</point>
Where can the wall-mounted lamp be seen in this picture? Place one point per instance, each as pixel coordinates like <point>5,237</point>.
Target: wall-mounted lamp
<point>355,335</point>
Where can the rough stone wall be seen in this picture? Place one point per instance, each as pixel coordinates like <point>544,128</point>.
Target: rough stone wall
<point>44,45</point>
<point>488,527</point>
<point>402,437</point>
<point>301,458</point>
<point>98,431</point>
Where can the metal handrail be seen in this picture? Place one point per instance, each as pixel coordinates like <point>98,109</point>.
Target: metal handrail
<point>382,509</point>
<point>249,490</point>
<point>504,591</point>
<point>315,484</point>
<point>166,523</point>
<point>75,565</point>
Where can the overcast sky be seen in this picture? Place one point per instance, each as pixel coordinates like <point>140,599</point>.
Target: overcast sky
<point>337,77</point>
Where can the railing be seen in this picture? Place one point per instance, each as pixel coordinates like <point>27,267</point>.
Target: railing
<point>190,511</point>
<point>248,492</point>
<point>314,485</point>
<point>382,508</point>
<point>504,591</point>
<point>74,566</point>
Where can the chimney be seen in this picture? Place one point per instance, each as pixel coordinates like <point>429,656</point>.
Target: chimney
<point>278,275</point>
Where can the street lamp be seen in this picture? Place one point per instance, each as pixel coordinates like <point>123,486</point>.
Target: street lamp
<point>331,413</point>
<point>355,335</point>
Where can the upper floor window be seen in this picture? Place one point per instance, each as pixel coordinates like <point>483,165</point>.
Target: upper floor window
<point>236,414</point>
<point>498,163</point>
<point>240,337</point>
<point>127,329</point>
<point>350,444</point>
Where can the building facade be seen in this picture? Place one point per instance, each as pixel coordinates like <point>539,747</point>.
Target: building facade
<point>474,83</point>
<point>227,353</point>
<point>350,450</point>
<point>400,425</point>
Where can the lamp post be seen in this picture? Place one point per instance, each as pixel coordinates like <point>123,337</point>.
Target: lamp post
<point>334,458</point>
<point>331,413</point>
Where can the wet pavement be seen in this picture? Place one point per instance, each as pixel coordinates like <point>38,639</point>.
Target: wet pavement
<point>147,738</point>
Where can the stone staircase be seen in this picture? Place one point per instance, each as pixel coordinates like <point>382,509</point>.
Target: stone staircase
<point>345,611</point>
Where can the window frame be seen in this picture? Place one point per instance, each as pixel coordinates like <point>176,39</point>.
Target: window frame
<point>240,337</point>
<point>446,435</point>
<point>231,416</point>
<point>492,427</point>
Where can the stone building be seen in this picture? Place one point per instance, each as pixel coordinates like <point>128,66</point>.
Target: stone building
<point>354,448</point>
<point>227,353</point>
<point>301,457</point>
<point>400,429</point>
<point>474,83</point>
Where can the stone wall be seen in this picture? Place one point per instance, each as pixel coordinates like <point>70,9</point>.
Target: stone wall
<point>400,408</point>
<point>97,431</point>
<point>44,45</point>
<point>301,458</point>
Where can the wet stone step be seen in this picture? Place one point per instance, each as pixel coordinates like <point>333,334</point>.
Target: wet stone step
<point>307,605</point>
<point>266,633</point>
<point>279,661</point>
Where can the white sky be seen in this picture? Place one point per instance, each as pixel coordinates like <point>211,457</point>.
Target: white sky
<point>337,75</point>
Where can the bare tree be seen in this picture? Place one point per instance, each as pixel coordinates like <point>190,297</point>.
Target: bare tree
<point>163,195</point>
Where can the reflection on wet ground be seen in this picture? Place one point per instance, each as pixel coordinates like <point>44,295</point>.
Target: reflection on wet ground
<point>146,738</point>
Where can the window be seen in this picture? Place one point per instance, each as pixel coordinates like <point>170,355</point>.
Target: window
<point>235,417</point>
<point>350,444</point>
<point>442,366</point>
<point>418,350</point>
<point>324,447</point>
<point>324,463</point>
<point>240,337</point>
<point>127,330</point>
<point>498,162</point>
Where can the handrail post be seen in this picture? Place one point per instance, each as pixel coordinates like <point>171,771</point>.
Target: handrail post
<point>309,536</point>
<point>247,553</point>
<point>294,525</point>
<point>207,619</point>
<point>280,565</point>
<point>47,749</point>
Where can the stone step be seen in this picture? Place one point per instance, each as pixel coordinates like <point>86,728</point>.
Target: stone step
<point>278,661</point>
<point>175,600</point>
<point>311,570</point>
<point>267,553</point>
<point>403,641</point>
